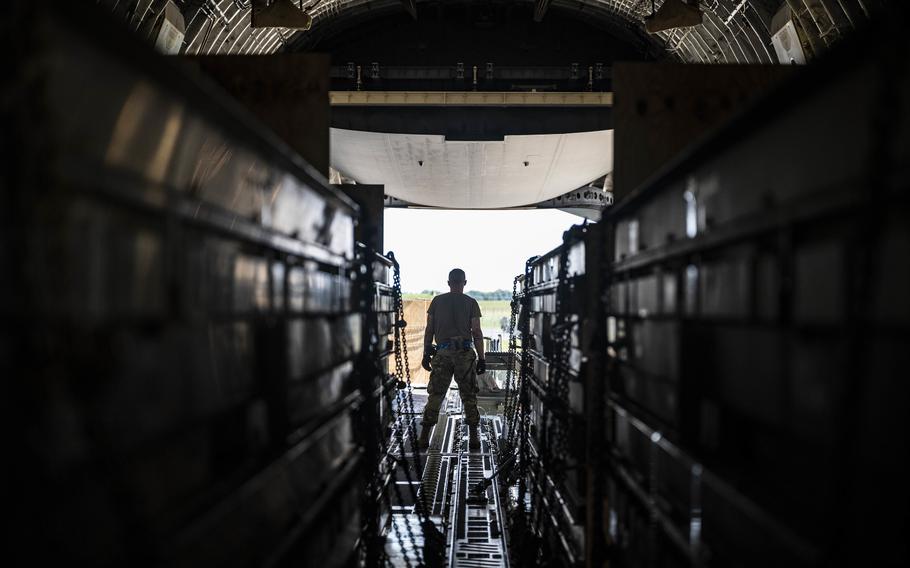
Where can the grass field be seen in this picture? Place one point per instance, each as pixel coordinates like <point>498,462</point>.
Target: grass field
<point>412,296</point>
<point>493,311</point>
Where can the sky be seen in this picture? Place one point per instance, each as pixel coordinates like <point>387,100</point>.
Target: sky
<point>490,246</point>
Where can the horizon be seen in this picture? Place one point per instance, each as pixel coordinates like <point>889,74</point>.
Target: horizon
<point>423,292</point>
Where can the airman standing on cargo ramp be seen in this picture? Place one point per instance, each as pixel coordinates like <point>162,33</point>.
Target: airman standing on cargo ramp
<point>453,319</point>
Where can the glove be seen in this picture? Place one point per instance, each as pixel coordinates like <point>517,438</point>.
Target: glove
<point>481,366</point>
<point>428,353</point>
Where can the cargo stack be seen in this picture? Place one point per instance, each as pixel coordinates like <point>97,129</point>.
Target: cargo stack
<point>181,326</point>
<point>558,300</point>
<point>722,382</point>
<point>757,301</point>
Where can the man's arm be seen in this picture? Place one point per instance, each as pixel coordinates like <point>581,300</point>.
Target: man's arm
<point>428,350</point>
<point>477,333</point>
<point>428,334</point>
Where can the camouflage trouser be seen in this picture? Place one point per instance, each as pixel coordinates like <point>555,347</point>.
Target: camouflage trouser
<point>446,363</point>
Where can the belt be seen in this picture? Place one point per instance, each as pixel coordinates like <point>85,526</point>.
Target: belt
<point>465,344</point>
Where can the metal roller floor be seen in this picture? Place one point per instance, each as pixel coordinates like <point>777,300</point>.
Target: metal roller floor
<point>472,523</point>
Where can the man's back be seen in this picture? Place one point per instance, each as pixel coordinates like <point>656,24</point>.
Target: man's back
<point>452,313</point>
<point>454,320</point>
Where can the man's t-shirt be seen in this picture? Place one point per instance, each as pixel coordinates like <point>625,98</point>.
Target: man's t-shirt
<point>452,313</point>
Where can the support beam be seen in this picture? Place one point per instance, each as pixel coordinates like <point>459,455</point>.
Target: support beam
<point>461,98</point>
<point>587,202</point>
<point>473,116</point>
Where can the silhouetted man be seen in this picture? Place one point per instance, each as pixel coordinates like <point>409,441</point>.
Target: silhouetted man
<point>453,319</point>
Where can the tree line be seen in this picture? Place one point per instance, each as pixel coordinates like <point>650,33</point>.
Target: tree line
<point>497,295</point>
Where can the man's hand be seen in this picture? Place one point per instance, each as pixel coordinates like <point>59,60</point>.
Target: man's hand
<point>428,352</point>
<point>481,366</point>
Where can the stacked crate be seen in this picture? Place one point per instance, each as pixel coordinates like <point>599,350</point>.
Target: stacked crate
<point>758,312</point>
<point>555,303</point>
<point>179,332</point>
<point>736,364</point>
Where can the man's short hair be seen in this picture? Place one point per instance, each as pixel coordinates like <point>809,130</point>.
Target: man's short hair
<point>457,275</point>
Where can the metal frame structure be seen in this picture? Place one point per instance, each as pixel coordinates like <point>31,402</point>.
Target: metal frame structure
<point>733,31</point>
<point>752,342</point>
<point>559,304</point>
<point>468,99</point>
<point>470,511</point>
<point>212,320</point>
<point>185,284</point>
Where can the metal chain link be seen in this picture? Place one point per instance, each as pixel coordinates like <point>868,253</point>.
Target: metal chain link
<point>526,555</point>
<point>553,439</point>
<point>563,344</point>
<point>511,401</point>
<point>406,429</point>
<point>371,547</point>
<point>403,375</point>
<point>385,463</point>
<point>397,530</point>
<point>395,408</point>
<point>522,407</point>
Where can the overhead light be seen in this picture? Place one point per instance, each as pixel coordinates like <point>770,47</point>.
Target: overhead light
<point>673,14</point>
<point>279,14</point>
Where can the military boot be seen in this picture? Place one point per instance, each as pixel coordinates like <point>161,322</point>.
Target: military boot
<point>423,441</point>
<point>473,437</point>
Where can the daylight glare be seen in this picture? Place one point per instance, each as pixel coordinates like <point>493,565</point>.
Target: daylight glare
<point>490,246</point>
